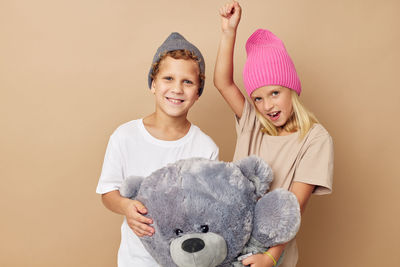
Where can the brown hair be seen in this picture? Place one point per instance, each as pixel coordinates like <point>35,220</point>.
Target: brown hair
<point>178,54</point>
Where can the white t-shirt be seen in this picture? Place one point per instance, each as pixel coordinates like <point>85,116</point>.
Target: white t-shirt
<point>132,150</point>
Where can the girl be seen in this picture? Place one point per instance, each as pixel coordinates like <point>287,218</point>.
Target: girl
<point>274,124</point>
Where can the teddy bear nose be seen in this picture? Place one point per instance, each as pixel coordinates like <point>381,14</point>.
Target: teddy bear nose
<point>193,245</point>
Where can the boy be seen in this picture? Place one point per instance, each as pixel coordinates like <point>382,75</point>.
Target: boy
<point>142,146</point>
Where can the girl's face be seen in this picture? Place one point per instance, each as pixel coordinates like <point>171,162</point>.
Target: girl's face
<point>274,102</point>
<point>176,86</point>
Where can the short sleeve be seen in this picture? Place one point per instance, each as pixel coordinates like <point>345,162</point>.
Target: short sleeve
<point>112,172</point>
<point>316,165</point>
<point>215,153</point>
<point>248,119</point>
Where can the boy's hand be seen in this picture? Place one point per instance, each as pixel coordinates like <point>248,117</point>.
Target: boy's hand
<point>230,15</point>
<point>134,211</point>
<point>258,260</point>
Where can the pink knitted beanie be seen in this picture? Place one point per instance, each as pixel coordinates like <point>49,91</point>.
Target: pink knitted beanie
<point>268,63</point>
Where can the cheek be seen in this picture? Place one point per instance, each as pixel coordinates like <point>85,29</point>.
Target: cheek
<point>161,88</point>
<point>193,93</point>
<point>258,106</point>
<point>290,108</point>
<point>287,105</point>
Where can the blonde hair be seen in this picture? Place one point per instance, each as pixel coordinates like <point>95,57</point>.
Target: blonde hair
<point>301,120</point>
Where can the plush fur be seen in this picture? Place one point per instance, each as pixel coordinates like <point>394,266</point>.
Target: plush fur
<point>206,213</point>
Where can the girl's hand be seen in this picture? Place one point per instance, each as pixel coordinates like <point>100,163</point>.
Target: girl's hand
<point>258,260</point>
<point>134,211</point>
<point>230,15</point>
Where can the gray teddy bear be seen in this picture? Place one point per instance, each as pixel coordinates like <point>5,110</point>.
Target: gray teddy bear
<point>206,213</point>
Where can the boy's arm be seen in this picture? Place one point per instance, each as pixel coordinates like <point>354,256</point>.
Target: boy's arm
<point>223,73</point>
<point>132,209</point>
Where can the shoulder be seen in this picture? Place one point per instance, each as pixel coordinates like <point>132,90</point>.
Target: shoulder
<point>318,131</point>
<point>202,138</point>
<point>248,107</point>
<point>248,122</point>
<point>127,132</point>
<point>127,128</point>
<point>319,139</point>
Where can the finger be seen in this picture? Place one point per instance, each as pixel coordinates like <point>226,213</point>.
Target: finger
<point>142,219</point>
<point>140,207</point>
<point>238,9</point>
<point>229,9</point>
<point>141,222</point>
<point>147,229</point>
<point>226,13</point>
<point>140,232</point>
<point>222,12</point>
<point>247,261</point>
<point>225,8</point>
<point>141,228</point>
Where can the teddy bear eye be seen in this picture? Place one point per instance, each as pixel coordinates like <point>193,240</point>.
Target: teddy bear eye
<point>178,232</point>
<point>204,228</point>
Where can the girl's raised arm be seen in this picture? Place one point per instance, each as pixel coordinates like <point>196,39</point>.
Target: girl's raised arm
<point>223,73</point>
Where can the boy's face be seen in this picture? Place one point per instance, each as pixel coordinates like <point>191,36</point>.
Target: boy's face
<point>176,86</point>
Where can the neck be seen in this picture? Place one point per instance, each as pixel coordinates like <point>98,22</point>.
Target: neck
<point>282,132</point>
<point>166,128</point>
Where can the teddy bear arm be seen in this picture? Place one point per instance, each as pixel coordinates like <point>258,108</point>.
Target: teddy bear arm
<point>130,186</point>
<point>277,218</point>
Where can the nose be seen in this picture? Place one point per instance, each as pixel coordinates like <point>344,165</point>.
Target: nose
<point>193,245</point>
<point>177,88</point>
<point>268,105</point>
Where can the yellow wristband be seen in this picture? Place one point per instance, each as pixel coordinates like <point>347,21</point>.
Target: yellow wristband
<point>272,257</point>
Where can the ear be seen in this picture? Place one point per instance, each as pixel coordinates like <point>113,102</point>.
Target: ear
<point>196,98</point>
<point>277,218</point>
<point>257,171</point>
<point>153,87</point>
<point>130,186</point>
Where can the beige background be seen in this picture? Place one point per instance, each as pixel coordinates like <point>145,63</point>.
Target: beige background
<point>72,71</point>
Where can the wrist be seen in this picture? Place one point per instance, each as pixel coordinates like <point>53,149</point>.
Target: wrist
<point>269,257</point>
<point>125,205</point>
<point>274,253</point>
<point>231,32</point>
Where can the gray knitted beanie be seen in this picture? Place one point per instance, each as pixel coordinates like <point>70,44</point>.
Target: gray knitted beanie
<point>175,41</point>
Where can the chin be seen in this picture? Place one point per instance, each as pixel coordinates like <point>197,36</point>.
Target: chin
<point>176,114</point>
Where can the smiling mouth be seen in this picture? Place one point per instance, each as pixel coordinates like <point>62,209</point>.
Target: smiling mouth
<point>274,115</point>
<point>174,100</point>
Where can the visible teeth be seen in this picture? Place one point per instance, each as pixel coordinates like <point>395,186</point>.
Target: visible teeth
<point>175,100</point>
<point>274,114</point>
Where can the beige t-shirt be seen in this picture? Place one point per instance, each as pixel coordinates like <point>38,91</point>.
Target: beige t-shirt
<point>309,160</point>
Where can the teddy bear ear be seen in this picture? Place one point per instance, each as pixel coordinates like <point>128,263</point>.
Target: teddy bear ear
<point>130,186</point>
<point>257,171</point>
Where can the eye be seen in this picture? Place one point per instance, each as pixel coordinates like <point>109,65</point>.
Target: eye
<point>168,78</point>
<point>257,99</point>
<point>275,93</point>
<point>204,228</point>
<point>188,82</point>
<point>178,232</point>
